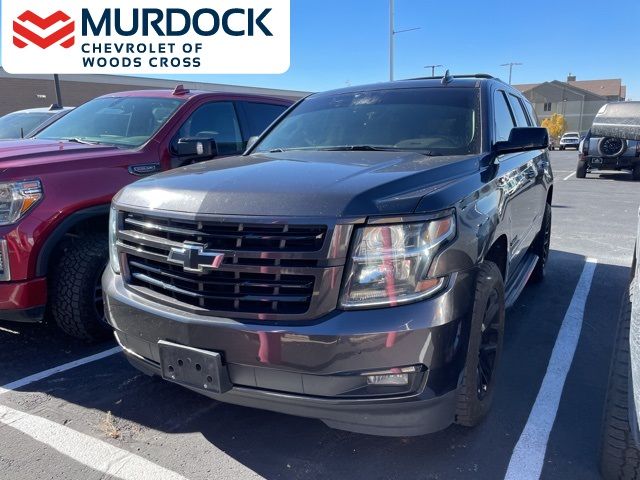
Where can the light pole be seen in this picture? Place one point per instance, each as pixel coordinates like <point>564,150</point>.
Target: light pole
<point>511,65</point>
<point>433,69</point>
<point>392,34</point>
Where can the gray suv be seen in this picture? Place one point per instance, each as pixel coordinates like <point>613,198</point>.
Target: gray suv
<point>353,266</point>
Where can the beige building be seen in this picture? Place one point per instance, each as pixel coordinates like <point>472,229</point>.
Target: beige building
<point>32,91</point>
<point>578,100</point>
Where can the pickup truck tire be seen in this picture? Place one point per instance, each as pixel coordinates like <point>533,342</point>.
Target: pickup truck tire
<point>75,288</point>
<point>541,246</point>
<point>636,172</point>
<point>476,389</point>
<point>619,456</point>
<point>581,170</point>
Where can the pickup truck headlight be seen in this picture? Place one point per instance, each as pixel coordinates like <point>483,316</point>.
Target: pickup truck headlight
<point>17,198</point>
<point>390,263</point>
<point>114,261</point>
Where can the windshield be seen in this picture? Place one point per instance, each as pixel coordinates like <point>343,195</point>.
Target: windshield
<point>433,121</point>
<point>19,124</point>
<point>124,121</point>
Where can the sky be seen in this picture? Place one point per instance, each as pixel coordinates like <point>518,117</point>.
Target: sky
<point>339,42</point>
<point>336,43</point>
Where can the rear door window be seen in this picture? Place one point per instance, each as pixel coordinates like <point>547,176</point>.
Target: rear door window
<point>260,115</point>
<point>521,117</point>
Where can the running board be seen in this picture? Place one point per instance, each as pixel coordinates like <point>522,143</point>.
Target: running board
<point>520,279</point>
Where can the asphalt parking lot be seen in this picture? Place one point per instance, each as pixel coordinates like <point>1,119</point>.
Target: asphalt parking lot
<point>105,420</point>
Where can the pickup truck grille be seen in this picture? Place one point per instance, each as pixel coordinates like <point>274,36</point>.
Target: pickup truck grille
<point>270,271</point>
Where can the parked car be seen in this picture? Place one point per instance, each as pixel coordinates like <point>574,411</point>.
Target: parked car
<point>353,266</point>
<point>620,446</point>
<point>570,140</point>
<point>598,152</point>
<point>23,123</point>
<point>56,188</point>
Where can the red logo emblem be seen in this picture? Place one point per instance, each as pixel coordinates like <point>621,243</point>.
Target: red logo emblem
<point>43,35</point>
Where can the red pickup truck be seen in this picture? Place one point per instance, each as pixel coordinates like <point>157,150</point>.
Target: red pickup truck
<point>56,188</point>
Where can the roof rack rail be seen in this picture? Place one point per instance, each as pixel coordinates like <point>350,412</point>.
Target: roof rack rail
<point>473,75</point>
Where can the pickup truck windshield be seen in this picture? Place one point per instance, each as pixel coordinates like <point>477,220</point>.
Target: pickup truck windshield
<point>126,122</point>
<point>433,121</point>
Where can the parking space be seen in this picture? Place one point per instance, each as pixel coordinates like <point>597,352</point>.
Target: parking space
<point>104,419</point>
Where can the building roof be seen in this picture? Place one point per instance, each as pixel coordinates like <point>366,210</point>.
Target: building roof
<point>605,88</point>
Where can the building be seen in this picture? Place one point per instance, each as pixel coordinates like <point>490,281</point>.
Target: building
<point>578,100</point>
<point>31,91</point>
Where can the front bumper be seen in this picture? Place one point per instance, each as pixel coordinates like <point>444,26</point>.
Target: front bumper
<point>23,301</point>
<point>315,370</point>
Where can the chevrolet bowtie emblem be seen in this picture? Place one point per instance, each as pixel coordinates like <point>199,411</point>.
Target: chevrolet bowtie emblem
<point>194,257</point>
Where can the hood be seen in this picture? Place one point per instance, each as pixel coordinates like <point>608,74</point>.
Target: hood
<point>298,183</point>
<point>18,153</point>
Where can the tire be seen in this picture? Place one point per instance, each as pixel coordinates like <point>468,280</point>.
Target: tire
<point>581,170</point>
<point>619,454</point>
<point>561,148</point>
<point>475,393</point>
<point>75,286</point>
<point>636,172</point>
<point>541,246</point>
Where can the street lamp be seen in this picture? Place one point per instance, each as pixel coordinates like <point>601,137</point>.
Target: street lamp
<point>433,69</point>
<point>511,65</point>
<point>392,34</point>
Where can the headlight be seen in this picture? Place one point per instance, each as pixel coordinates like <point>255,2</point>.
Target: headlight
<point>390,264</point>
<point>113,249</point>
<point>17,198</point>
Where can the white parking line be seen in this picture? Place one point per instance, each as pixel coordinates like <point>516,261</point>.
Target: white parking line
<point>112,461</point>
<point>528,455</point>
<point>53,371</point>
<point>568,177</point>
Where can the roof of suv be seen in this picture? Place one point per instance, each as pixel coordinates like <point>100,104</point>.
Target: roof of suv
<point>464,81</point>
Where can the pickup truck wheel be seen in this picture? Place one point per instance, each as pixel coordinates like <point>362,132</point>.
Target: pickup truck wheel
<point>476,390</point>
<point>76,292</point>
<point>636,172</point>
<point>619,456</point>
<point>581,170</point>
<point>541,246</point>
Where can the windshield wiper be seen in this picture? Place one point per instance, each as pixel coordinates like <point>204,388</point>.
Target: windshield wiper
<point>81,140</point>
<point>357,148</point>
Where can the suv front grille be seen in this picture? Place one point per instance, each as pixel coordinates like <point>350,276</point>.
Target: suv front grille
<point>271,271</point>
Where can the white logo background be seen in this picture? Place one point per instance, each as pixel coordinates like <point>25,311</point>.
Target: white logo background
<point>192,53</point>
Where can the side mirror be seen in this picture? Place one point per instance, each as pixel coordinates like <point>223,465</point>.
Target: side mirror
<point>252,141</point>
<point>201,148</point>
<point>523,139</point>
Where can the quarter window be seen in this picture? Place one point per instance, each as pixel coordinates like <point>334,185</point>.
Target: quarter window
<point>216,120</point>
<point>504,122</point>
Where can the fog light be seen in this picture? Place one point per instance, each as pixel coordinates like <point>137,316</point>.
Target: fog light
<point>391,379</point>
<point>5,274</point>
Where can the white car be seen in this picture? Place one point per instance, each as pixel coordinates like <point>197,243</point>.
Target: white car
<point>23,123</point>
<point>570,140</point>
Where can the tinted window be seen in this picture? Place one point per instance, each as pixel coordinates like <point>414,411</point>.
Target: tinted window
<point>436,121</point>
<point>518,110</point>
<point>120,121</point>
<point>216,120</point>
<point>503,118</point>
<point>261,115</point>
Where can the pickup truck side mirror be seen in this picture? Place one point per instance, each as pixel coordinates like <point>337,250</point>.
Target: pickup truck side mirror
<point>523,139</point>
<point>199,148</point>
<point>252,141</point>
